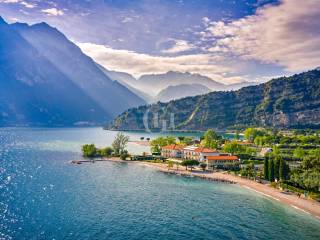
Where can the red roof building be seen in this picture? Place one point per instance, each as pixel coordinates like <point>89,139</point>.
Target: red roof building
<point>172,151</point>
<point>222,160</point>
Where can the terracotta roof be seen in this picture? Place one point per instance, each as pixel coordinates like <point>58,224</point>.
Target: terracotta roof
<point>205,150</point>
<point>224,158</point>
<point>173,147</point>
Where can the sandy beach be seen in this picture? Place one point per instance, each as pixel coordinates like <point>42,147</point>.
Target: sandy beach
<point>303,204</point>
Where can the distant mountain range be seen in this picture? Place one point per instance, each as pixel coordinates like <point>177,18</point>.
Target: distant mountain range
<point>152,87</point>
<point>127,80</point>
<point>287,102</point>
<point>46,80</point>
<point>181,91</point>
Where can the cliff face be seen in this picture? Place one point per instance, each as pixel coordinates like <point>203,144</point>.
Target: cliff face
<point>286,102</point>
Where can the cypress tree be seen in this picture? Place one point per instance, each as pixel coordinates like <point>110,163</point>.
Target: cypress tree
<point>266,169</point>
<point>282,170</point>
<point>287,171</point>
<point>271,171</point>
<point>276,167</point>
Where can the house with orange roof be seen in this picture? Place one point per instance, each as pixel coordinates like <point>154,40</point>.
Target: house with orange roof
<point>198,153</point>
<point>172,151</point>
<point>221,160</point>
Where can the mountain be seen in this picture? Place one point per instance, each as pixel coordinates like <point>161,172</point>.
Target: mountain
<point>154,83</point>
<point>286,102</point>
<point>126,80</point>
<point>236,86</point>
<point>122,77</point>
<point>46,80</point>
<point>181,91</point>
<point>155,87</point>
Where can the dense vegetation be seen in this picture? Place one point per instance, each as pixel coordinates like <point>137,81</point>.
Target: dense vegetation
<point>118,149</point>
<point>287,102</point>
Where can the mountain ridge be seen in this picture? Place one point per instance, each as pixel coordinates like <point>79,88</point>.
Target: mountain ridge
<point>148,86</point>
<point>286,102</point>
<point>181,91</point>
<point>37,91</point>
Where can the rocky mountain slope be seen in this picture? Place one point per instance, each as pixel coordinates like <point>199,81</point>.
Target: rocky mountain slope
<point>287,102</point>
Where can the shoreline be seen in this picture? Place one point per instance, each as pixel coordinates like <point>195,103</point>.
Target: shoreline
<point>305,205</point>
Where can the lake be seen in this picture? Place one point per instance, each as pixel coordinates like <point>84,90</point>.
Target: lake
<point>42,196</point>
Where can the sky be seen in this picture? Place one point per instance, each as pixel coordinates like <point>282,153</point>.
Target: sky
<point>228,40</point>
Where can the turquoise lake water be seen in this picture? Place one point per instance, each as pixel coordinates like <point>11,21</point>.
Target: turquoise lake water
<point>42,196</point>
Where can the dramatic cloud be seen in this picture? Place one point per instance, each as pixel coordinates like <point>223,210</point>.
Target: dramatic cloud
<point>138,64</point>
<point>53,12</point>
<point>286,34</point>
<point>179,46</point>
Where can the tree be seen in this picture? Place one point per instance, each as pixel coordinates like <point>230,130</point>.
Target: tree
<point>259,141</point>
<point>299,153</point>
<point>159,142</point>
<point>311,161</point>
<point>203,166</point>
<point>120,143</point>
<point>271,171</point>
<point>311,179</point>
<point>106,152</point>
<point>266,168</point>
<point>124,154</point>
<point>249,150</point>
<point>283,170</point>
<point>89,150</point>
<point>276,164</point>
<point>210,139</point>
<point>187,141</point>
<point>251,133</point>
<point>190,163</point>
<point>234,147</point>
<point>170,164</point>
<point>275,151</point>
<point>237,135</point>
<point>185,164</point>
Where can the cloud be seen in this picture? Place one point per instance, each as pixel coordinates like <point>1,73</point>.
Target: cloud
<point>10,1</point>
<point>127,19</point>
<point>138,64</point>
<point>21,2</point>
<point>286,34</point>
<point>53,12</point>
<point>206,21</point>
<point>28,5</point>
<point>179,46</point>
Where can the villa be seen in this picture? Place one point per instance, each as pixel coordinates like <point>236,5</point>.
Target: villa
<point>198,153</point>
<point>211,157</point>
<point>220,161</point>
<point>172,151</point>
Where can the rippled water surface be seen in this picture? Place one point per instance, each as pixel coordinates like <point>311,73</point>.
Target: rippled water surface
<point>42,196</point>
